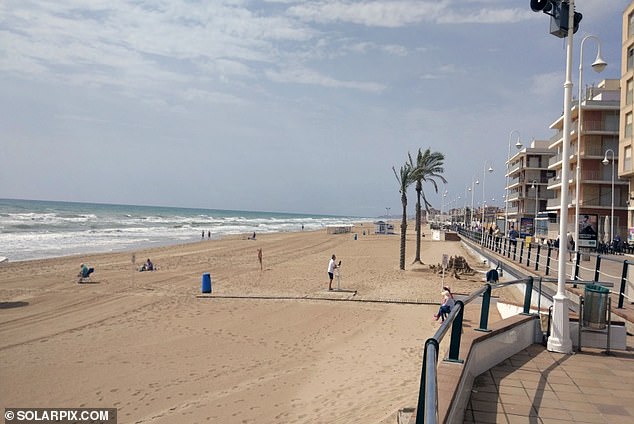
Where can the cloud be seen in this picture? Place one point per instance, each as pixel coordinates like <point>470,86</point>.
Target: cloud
<point>487,16</point>
<point>393,14</point>
<point>370,13</point>
<point>299,75</point>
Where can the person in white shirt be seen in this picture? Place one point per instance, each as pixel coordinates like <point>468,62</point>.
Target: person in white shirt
<point>331,270</point>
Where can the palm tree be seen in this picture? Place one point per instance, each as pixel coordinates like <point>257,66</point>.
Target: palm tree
<point>404,178</point>
<point>428,167</point>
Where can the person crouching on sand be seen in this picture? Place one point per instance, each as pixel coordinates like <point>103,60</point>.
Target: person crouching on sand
<point>331,270</point>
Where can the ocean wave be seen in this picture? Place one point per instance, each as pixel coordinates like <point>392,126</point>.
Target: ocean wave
<point>32,230</point>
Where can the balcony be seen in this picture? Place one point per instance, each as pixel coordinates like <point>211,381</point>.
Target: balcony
<point>554,160</point>
<point>557,137</point>
<point>599,126</point>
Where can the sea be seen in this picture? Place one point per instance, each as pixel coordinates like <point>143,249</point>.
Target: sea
<point>35,229</point>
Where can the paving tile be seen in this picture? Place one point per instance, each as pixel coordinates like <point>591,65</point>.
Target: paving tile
<point>586,417</point>
<point>525,410</point>
<point>510,382</point>
<point>489,417</point>
<point>579,406</point>
<point>544,412</point>
<point>513,390</point>
<point>515,399</point>
<point>484,406</point>
<point>565,388</point>
<point>616,410</point>
<point>540,385</point>
<point>556,420</point>
<point>571,396</point>
<point>485,396</point>
<point>539,392</point>
<point>522,419</point>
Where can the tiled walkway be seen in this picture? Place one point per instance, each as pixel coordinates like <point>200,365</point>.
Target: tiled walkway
<point>537,386</point>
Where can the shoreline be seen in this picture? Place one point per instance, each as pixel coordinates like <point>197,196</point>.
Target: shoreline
<point>147,344</point>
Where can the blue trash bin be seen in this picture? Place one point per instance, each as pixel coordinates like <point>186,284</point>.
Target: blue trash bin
<point>206,283</point>
<point>355,236</point>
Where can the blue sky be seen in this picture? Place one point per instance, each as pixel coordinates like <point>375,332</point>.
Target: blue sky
<point>280,105</point>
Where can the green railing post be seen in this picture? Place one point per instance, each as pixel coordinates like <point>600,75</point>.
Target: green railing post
<point>528,257</point>
<point>527,296</point>
<point>597,269</point>
<point>515,249</point>
<point>550,249</point>
<point>484,311</point>
<point>506,240</point>
<point>623,282</point>
<point>521,251</point>
<point>456,334</point>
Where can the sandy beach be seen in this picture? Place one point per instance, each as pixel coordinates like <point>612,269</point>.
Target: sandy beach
<point>271,346</point>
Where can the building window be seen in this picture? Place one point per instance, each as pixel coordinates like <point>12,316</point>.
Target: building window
<point>630,58</point>
<point>627,159</point>
<point>630,29</point>
<point>629,86</point>
<point>628,124</point>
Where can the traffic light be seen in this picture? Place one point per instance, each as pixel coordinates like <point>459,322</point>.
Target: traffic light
<point>558,11</point>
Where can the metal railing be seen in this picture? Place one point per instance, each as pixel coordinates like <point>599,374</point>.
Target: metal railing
<point>427,408</point>
<point>609,265</point>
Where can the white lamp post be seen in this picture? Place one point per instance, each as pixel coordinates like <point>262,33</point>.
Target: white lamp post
<point>508,164</point>
<point>598,65</point>
<point>484,175</point>
<point>605,162</point>
<point>465,205</point>
<point>559,340</point>
<point>474,181</point>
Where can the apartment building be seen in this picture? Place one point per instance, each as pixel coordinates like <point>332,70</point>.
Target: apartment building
<point>528,182</point>
<point>626,168</point>
<point>597,141</point>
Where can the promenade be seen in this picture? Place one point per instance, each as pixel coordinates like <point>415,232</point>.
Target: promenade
<point>537,386</point>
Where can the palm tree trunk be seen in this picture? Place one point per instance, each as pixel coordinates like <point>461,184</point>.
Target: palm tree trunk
<point>419,188</point>
<point>403,230</point>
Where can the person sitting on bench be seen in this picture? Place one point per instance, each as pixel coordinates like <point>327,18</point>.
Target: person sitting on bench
<point>85,272</point>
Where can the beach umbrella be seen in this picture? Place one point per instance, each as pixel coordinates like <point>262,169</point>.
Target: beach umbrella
<point>606,229</point>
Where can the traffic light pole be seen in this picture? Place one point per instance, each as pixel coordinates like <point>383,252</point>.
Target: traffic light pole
<point>559,340</point>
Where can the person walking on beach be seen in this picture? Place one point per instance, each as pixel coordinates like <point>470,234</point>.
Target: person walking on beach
<point>260,258</point>
<point>331,270</point>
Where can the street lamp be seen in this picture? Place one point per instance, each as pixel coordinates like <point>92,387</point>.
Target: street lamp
<point>559,340</point>
<point>534,186</point>
<point>474,181</point>
<point>598,65</point>
<point>605,162</point>
<point>465,205</point>
<point>484,175</point>
<point>508,164</point>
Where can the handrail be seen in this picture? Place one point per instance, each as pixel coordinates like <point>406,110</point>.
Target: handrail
<point>427,408</point>
<point>530,256</point>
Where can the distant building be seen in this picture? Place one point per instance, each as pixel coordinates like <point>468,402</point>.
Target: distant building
<point>599,133</point>
<point>528,181</point>
<point>626,167</point>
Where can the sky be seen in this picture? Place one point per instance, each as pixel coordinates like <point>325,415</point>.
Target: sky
<point>278,105</point>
